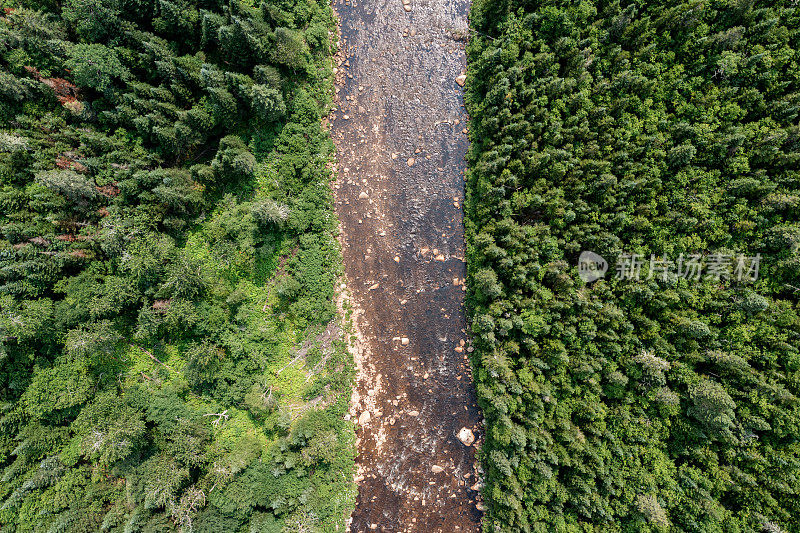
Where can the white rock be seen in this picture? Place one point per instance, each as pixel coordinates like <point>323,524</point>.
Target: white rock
<point>363,418</point>
<point>466,436</point>
<point>436,469</point>
<point>461,80</point>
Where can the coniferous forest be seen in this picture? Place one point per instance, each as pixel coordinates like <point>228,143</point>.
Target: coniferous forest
<point>663,401</point>
<point>169,351</point>
<point>171,354</point>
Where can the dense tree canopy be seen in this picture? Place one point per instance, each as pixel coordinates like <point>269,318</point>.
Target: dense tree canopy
<point>167,265</point>
<point>667,403</point>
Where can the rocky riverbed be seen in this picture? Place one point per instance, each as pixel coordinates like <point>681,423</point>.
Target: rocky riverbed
<point>400,131</point>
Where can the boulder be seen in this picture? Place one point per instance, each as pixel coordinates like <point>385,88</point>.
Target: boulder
<point>466,436</point>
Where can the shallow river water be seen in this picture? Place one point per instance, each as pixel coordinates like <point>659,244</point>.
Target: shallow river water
<point>401,140</point>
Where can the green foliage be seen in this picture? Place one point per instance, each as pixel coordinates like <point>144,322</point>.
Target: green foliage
<point>76,188</point>
<point>267,103</point>
<point>109,430</point>
<point>95,66</point>
<point>290,49</point>
<point>163,172</point>
<point>233,162</point>
<point>57,388</point>
<point>664,404</point>
<point>93,20</point>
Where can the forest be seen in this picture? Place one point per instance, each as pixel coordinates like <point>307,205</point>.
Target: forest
<point>656,402</point>
<point>170,352</point>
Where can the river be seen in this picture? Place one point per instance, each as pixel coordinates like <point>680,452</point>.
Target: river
<point>400,133</point>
